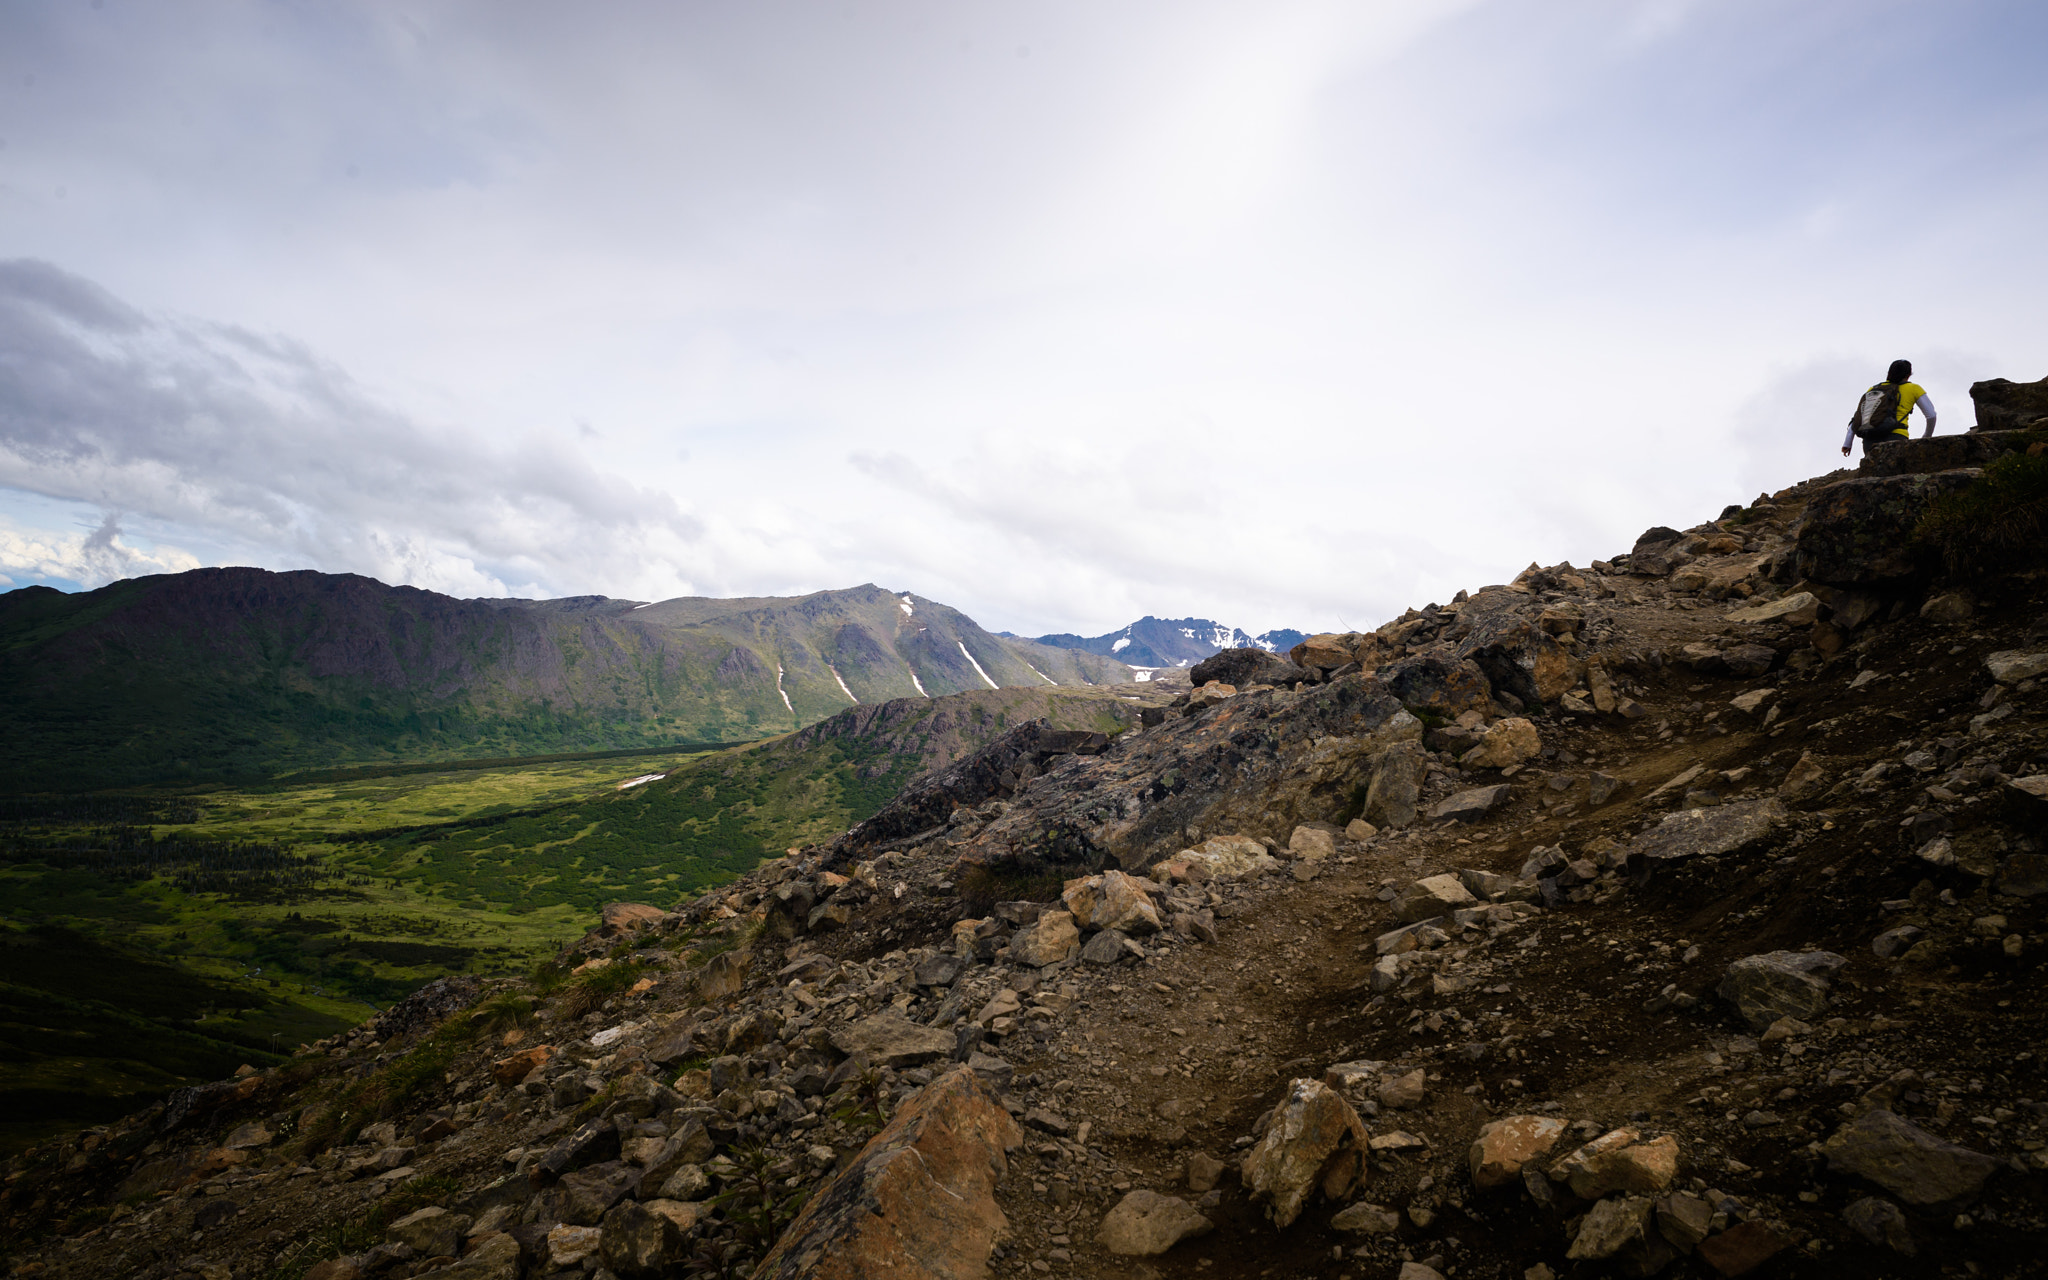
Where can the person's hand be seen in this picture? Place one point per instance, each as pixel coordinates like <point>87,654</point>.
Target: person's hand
<point>1845,450</point>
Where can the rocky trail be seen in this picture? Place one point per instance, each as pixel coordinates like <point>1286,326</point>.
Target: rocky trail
<point>1677,915</point>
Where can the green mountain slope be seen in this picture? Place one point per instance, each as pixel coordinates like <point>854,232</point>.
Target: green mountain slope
<point>227,673</point>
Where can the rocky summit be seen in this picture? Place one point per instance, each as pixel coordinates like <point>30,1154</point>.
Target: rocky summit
<point>1679,914</point>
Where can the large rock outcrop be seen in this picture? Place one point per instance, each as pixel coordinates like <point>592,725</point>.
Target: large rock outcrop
<point>2003,405</point>
<point>918,1203</point>
<point>1859,531</point>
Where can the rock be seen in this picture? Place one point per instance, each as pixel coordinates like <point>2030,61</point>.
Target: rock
<point>937,971</point>
<point>1506,742</point>
<point>1358,831</point>
<point>1914,1165</point>
<point>1751,702</point>
<point>1053,939</point>
<point>1490,887</point>
<point>1241,667</point>
<point>1472,804</point>
<point>1204,1171</point>
<point>636,1241</point>
<point>509,1071</point>
<point>688,1183</point>
<point>1894,942</point>
<point>723,975</point>
<point>1228,857</point>
<point>1859,531</point>
<point>1111,900</point>
<point>1396,785</point>
<point>2025,874</point>
<point>1438,681</point>
<point>1367,1220</point>
<point>584,1196</point>
<point>338,1269</point>
<point>431,1232</point>
<point>1600,788</point>
<point>2010,666</point>
<point>1620,1161</point>
<point>1002,1004</point>
<point>1881,1222</point>
<point>1800,609</point>
<point>1313,843</point>
<point>569,1245</point>
<point>994,1071</point>
<point>1048,1122</point>
<point>1402,1091</point>
<point>1780,984</point>
<point>248,1137</point>
<point>891,1040</point>
<point>1145,1224</point>
<point>2004,405</point>
<point>1315,1141</point>
<point>492,1256</point>
<point>919,1201</point>
<point>1610,1227</point>
<point>1504,1146</point>
<point>1743,1248</point>
<point>1418,1271</point>
<point>1519,659</point>
<point>1427,899</point>
<point>592,1143</point>
<point>1209,695</point>
<point>1684,1220</point>
<point>1804,780</point>
<point>628,917</point>
<point>1327,651</point>
<point>1949,606</point>
<point>1106,947</point>
<point>1692,833</point>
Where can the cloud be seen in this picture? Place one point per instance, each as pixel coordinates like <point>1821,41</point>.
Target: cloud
<point>253,438</point>
<point>87,560</point>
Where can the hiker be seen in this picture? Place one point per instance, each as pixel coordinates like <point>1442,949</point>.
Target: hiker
<point>1882,412</point>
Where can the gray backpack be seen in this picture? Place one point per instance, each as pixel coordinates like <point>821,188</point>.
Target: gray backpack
<point>1877,413</point>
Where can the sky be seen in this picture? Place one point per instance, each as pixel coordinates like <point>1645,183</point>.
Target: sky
<point>1062,313</point>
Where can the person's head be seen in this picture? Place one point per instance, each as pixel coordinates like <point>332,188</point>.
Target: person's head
<point>1899,372</point>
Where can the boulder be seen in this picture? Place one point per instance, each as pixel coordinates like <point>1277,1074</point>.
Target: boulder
<point>1111,900</point>
<point>2004,405</point>
<point>568,1244</point>
<point>1881,1222</point>
<point>636,1241</point>
<point>509,1071</point>
<point>1780,984</point>
<point>1882,1147</point>
<point>1396,785</point>
<point>1611,1227</point>
<point>492,1255</point>
<point>891,1040</point>
<point>1209,695</point>
<point>937,971</point>
<point>1329,650</point>
<point>1435,896</point>
<point>1743,1247</point>
<point>1106,947</point>
<point>1517,656</point>
<point>584,1196</point>
<point>1403,1091</point>
<point>1145,1224</point>
<point>1367,1220</point>
<point>1471,804</point>
<point>1800,609</point>
<point>723,975</point>
<point>1315,1142</point>
<point>1313,843</point>
<point>1506,742</point>
<point>628,917</point>
<point>1620,1161</point>
<point>1859,531</point>
<point>1227,857</point>
<point>1804,780</point>
<point>1938,453</point>
<point>2010,666</point>
<point>1692,833</point>
<point>1053,939</point>
<point>1439,681</point>
<point>1504,1146</point>
<point>1241,667</point>
<point>918,1203</point>
<point>431,1232</point>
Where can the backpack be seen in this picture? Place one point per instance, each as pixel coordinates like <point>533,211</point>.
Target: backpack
<point>1877,413</point>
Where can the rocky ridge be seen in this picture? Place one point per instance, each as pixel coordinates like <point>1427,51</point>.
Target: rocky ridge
<point>1677,915</point>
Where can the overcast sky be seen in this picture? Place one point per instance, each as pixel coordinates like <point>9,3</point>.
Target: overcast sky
<point>1059,312</point>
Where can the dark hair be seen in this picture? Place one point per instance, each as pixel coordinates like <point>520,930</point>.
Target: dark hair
<point>1899,372</point>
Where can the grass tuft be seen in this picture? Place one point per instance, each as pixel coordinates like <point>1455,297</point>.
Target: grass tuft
<point>1997,523</point>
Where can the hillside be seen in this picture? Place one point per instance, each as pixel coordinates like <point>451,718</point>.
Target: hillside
<point>1171,642</point>
<point>226,673</point>
<point>1676,915</point>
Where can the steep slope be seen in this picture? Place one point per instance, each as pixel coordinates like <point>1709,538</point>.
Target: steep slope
<point>240,672</point>
<point>1172,642</point>
<point>1693,926</point>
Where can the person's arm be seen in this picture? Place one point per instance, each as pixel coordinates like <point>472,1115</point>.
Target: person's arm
<point>1849,437</point>
<point>1926,406</point>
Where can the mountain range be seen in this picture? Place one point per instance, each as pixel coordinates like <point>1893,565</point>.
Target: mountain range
<point>1172,642</point>
<point>239,672</point>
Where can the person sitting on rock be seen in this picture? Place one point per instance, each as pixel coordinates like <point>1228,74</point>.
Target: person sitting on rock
<point>1896,394</point>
